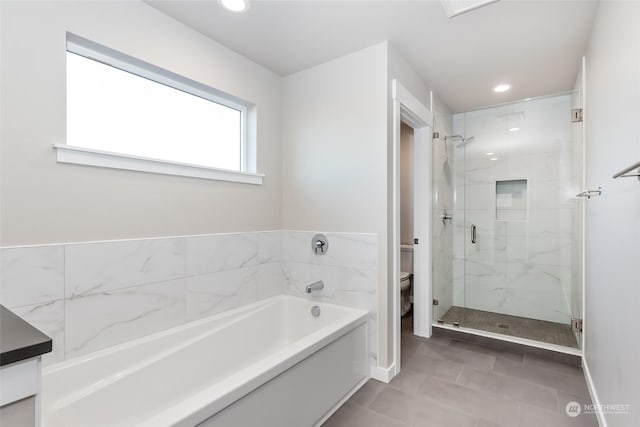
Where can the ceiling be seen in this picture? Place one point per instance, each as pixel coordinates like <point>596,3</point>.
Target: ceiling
<point>535,46</point>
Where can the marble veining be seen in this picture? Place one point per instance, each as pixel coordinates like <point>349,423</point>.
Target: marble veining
<point>211,254</point>
<point>97,321</point>
<point>350,275</point>
<point>94,295</point>
<point>296,246</point>
<point>213,293</point>
<point>352,250</point>
<point>48,317</point>
<point>31,275</point>
<point>296,275</point>
<point>271,280</point>
<point>100,267</point>
<point>269,247</point>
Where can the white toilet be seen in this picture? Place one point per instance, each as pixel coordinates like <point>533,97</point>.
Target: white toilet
<point>405,289</point>
<point>406,278</point>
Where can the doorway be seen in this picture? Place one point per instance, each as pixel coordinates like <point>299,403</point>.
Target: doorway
<point>417,121</point>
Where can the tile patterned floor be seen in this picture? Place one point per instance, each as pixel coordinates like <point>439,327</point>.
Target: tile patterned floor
<point>538,330</point>
<point>446,382</point>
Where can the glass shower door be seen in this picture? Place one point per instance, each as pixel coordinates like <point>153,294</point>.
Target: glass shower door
<point>517,223</point>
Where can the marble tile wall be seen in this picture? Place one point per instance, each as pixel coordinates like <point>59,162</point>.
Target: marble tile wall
<point>90,296</point>
<point>522,268</point>
<point>349,271</point>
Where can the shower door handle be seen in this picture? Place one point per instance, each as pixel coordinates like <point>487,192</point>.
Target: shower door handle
<point>473,233</point>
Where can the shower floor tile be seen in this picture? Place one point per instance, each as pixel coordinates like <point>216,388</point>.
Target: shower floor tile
<point>522,327</point>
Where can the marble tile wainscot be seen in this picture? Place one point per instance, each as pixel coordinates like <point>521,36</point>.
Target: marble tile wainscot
<point>89,296</point>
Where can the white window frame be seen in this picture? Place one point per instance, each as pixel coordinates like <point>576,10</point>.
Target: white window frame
<point>91,157</point>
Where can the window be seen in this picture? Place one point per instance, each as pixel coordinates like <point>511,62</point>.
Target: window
<point>128,114</point>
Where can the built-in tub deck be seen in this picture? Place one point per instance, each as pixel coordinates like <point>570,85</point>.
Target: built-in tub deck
<point>235,367</point>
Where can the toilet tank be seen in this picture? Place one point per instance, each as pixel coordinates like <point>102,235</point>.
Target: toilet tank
<point>406,258</point>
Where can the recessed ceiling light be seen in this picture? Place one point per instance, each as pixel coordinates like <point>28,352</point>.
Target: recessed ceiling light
<point>235,5</point>
<point>501,88</point>
<point>494,158</point>
<point>514,129</point>
<point>489,154</point>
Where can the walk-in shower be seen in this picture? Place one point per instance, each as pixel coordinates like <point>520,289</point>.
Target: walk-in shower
<point>517,223</point>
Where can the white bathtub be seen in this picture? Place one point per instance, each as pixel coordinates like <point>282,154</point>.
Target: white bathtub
<point>270,363</point>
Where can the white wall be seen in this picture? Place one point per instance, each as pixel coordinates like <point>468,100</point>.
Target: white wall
<point>47,202</point>
<point>337,146</point>
<point>612,222</point>
<point>334,152</point>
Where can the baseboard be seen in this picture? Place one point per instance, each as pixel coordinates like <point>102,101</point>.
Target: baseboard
<point>383,374</point>
<point>594,395</point>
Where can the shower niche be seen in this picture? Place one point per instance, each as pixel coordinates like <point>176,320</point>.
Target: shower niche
<point>511,200</point>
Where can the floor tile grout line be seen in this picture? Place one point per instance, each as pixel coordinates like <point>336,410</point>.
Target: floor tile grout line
<point>491,394</point>
<point>433,402</point>
<point>385,416</point>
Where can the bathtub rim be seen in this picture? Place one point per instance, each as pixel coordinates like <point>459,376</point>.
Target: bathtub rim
<point>153,336</point>
<point>221,394</point>
<point>215,398</point>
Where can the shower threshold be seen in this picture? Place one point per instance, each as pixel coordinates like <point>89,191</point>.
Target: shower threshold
<point>505,324</point>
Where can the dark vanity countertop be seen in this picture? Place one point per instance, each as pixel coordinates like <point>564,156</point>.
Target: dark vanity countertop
<point>19,340</point>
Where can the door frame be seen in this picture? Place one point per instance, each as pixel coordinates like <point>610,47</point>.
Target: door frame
<point>407,109</point>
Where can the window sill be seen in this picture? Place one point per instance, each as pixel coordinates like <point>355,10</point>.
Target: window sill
<point>105,159</point>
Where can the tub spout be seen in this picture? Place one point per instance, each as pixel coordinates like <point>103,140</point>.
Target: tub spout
<point>314,286</point>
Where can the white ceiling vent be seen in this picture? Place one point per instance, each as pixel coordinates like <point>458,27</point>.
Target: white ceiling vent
<point>457,7</point>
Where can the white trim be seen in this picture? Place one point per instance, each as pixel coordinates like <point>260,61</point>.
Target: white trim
<point>585,117</point>
<point>394,235</point>
<point>415,114</point>
<point>179,236</point>
<point>94,51</point>
<point>407,108</point>
<point>422,193</point>
<point>602,422</point>
<point>90,157</point>
<point>383,374</point>
<point>516,340</point>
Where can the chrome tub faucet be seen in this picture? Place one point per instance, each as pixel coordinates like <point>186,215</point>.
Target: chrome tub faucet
<point>314,286</point>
